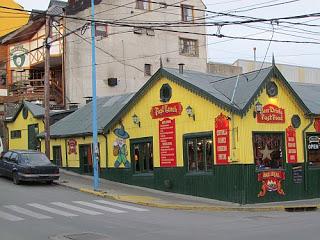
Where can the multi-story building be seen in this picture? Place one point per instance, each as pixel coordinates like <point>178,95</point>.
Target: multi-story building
<point>128,52</point>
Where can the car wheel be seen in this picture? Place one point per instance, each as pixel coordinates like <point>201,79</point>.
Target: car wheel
<point>16,178</point>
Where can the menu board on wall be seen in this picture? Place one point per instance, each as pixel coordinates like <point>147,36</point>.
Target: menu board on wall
<point>167,142</point>
<point>292,156</point>
<point>222,139</point>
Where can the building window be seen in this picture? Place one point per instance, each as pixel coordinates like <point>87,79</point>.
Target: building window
<point>101,30</point>
<point>186,13</point>
<point>198,149</point>
<point>268,150</point>
<point>313,149</point>
<point>188,47</point>
<point>142,155</point>
<point>15,134</point>
<point>147,69</point>
<point>143,4</point>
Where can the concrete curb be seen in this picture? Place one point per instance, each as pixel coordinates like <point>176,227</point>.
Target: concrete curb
<point>150,202</point>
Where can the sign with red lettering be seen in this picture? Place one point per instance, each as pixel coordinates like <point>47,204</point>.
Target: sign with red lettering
<point>292,156</point>
<point>166,110</point>
<point>271,182</point>
<point>317,124</point>
<point>222,138</point>
<point>271,114</point>
<point>167,142</point>
<point>72,144</point>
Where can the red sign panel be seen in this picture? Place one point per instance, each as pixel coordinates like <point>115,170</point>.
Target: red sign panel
<point>166,110</point>
<point>291,145</point>
<point>167,142</point>
<point>72,144</point>
<point>222,139</point>
<point>271,182</point>
<point>271,114</point>
<point>317,124</point>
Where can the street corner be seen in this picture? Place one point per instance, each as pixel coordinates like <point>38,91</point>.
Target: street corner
<point>94,192</point>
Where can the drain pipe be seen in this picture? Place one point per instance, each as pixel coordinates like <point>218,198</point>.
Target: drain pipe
<point>305,154</point>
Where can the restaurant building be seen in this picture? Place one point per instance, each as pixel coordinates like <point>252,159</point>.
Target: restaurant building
<point>250,138</point>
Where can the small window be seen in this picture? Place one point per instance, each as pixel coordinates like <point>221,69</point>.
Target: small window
<point>199,152</point>
<point>101,30</point>
<point>142,155</point>
<point>186,13</point>
<point>147,69</point>
<point>143,4</point>
<point>15,134</point>
<point>188,47</point>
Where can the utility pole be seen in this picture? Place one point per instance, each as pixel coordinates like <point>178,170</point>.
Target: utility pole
<point>47,85</point>
<point>94,105</point>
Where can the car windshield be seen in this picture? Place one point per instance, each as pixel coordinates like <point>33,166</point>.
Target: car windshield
<point>35,159</point>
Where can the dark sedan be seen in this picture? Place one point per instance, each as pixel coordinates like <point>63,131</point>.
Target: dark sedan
<point>28,166</point>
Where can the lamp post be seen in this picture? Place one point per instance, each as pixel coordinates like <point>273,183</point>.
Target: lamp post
<point>94,104</point>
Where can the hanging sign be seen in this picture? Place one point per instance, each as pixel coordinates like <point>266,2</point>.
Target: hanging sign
<point>313,143</point>
<point>19,55</point>
<point>317,124</point>
<point>167,142</point>
<point>166,110</point>
<point>271,114</point>
<point>291,145</point>
<point>271,182</point>
<point>222,139</point>
<point>72,145</point>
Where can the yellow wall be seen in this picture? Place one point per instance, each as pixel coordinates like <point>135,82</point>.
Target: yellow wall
<point>205,113</point>
<point>11,19</point>
<point>22,124</point>
<point>73,160</point>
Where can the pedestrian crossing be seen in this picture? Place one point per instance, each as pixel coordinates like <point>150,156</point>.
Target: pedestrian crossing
<point>40,211</point>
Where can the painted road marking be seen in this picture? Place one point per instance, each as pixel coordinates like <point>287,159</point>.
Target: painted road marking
<point>52,210</point>
<point>122,206</point>
<point>74,208</point>
<point>10,217</point>
<point>27,212</point>
<point>96,206</point>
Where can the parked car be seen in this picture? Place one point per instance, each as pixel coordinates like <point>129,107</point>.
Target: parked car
<point>27,165</point>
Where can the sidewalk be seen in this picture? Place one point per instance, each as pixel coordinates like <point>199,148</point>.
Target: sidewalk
<point>154,198</point>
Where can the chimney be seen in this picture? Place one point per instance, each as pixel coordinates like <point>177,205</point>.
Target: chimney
<point>88,99</point>
<point>254,57</point>
<point>181,65</point>
<point>73,106</point>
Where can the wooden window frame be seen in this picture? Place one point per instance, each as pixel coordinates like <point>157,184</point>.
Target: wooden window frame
<point>190,52</point>
<point>184,17</point>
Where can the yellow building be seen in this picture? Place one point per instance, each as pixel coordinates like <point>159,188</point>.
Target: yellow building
<point>11,19</point>
<point>248,138</point>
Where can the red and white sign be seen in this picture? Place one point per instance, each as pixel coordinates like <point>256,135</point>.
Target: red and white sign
<point>222,139</point>
<point>271,182</point>
<point>271,114</point>
<point>166,110</point>
<point>317,124</point>
<point>167,142</point>
<point>292,156</point>
<point>72,144</point>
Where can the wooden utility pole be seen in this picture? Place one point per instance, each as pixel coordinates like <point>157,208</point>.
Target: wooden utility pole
<point>47,85</point>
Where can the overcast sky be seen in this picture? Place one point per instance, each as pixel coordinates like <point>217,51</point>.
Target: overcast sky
<point>227,51</point>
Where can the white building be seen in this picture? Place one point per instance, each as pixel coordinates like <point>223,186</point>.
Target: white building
<point>127,56</point>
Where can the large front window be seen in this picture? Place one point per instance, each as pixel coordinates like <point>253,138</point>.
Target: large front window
<point>268,150</point>
<point>199,152</point>
<point>313,149</point>
<point>142,155</point>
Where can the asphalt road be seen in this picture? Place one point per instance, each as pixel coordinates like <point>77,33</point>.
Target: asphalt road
<point>39,212</point>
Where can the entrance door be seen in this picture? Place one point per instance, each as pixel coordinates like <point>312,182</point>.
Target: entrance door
<point>142,155</point>
<point>57,156</point>
<point>33,131</point>
<point>86,165</point>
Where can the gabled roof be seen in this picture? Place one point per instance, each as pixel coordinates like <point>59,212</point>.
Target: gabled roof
<point>79,123</point>
<point>36,110</point>
<point>310,95</point>
<point>218,89</point>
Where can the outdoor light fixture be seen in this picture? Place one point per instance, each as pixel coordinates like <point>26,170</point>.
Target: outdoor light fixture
<point>190,113</point>
<point>136,119</point>
<point>258,109</point>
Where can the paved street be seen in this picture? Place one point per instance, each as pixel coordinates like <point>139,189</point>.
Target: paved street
<point>37,212</point>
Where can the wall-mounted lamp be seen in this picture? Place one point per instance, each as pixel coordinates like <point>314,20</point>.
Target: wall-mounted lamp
<point>191,113</point>
<point>257,109</point>
<point>136,120</point>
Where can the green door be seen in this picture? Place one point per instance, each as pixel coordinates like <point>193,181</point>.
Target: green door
<point>33,131</point>
<point>57,156</point>
<point>86,165</point>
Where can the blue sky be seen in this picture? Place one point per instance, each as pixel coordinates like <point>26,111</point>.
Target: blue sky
<point>227,51</point>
